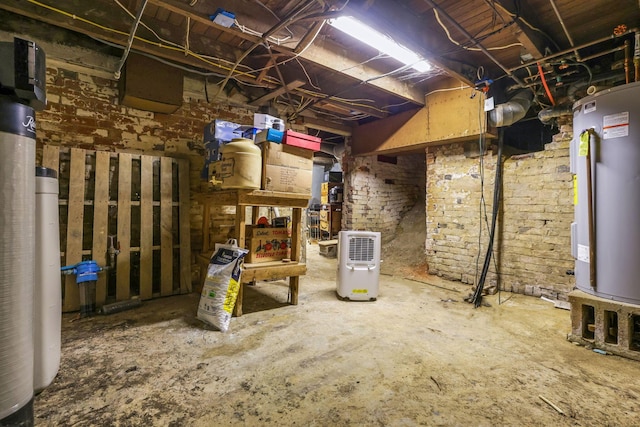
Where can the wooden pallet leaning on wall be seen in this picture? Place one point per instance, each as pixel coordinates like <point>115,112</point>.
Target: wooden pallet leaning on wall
<point>143,202</point>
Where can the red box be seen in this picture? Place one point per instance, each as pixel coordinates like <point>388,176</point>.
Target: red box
<point>302,140</point>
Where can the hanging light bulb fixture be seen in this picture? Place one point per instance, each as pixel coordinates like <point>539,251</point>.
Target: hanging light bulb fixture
<point>356,29</point>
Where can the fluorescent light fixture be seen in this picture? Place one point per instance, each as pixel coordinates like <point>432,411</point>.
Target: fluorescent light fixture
<point>356,29</point>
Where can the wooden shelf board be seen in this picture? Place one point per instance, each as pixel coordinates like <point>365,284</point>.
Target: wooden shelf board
<point>254,198</point>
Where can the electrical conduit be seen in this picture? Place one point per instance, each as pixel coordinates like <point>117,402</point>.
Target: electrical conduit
<point>132,35</point>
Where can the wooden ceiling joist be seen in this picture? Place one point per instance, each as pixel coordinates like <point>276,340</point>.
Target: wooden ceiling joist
<point>274,94</point>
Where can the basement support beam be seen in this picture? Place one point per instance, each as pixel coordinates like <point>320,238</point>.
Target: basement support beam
<point>274,94</point>
<point>531,40</point>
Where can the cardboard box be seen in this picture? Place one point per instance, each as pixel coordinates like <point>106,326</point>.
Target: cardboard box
<point>302,140</point>
<point>266,244</point>
<point>261,250</point>
<point>253,232</point>
<point>270,135</point>
<point>286,168</point>
<point>265,121</point>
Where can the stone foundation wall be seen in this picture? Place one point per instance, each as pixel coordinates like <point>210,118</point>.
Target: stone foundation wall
<point>533,243</point>
<point>378,193</point>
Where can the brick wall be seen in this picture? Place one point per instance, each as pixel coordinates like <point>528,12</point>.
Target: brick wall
<point>533,247</point>
<point>83,111</point>
<point>378,194</point>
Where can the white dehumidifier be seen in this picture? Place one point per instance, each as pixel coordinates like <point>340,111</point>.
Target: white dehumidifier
<point>358,265</point>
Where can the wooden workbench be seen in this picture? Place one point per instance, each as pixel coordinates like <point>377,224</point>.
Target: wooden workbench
<point>258,271</point>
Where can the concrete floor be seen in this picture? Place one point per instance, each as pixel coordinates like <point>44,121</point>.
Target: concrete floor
<point>419,355</point>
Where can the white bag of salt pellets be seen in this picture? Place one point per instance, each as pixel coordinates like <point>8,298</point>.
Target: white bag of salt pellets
<point>221,286</point>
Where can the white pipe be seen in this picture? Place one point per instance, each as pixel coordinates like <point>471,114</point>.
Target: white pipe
<point>47,309</point>
<point>594,89</point>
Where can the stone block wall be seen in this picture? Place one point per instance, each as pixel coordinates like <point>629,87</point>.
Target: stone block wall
<point>378,193</point>
<point>533,243</point>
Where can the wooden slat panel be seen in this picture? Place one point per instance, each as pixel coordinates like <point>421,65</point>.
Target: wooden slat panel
<point>73,251</point>
<point>146,228</point>
<point>51,157</point>
<point>185,226</point>
<point>124,228</point>
<point>100,222</point>
<point>166,235</point>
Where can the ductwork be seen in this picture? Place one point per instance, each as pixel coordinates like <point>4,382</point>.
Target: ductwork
<point>335,150</point>
<point>549,114</point>
<point>510,112</point>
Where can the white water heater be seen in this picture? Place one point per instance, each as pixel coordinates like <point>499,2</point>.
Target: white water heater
<point>606,233</point>
<point>358,265</point>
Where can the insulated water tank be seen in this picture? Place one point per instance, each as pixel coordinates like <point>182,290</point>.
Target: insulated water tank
<point>47,301</point>
<point>17,252</point>
<point>613,118</point>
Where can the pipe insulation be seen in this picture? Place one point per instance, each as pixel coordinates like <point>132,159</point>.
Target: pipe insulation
<point>510,112</point>
<point>17,252</point>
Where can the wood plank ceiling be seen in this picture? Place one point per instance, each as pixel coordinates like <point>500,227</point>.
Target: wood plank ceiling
<point>282,54</point>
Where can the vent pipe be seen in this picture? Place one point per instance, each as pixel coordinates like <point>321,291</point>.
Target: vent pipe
<point>545,116</point>
<point>510,112</point>
<point>336,150</point>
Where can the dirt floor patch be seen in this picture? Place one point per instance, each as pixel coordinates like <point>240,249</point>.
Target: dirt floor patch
<point>418,355</point>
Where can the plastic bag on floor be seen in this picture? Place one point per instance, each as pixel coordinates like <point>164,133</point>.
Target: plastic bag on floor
<point>221,286</point>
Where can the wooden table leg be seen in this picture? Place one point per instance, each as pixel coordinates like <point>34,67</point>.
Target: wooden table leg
<point>293,289</point>
<point>206,223</point>
<point>237,309</point>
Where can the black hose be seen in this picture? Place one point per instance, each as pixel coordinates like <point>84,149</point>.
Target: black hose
<point>497,188</point>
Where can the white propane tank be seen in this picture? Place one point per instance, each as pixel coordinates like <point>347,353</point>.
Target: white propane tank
<point>47,301</point>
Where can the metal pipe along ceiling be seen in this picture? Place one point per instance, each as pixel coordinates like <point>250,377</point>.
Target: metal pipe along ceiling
<point>564,27</point>
<point>582,46</point>
<point>475,42</point>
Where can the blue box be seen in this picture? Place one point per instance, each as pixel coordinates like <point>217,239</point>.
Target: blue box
<point>248,132</point>
<point>223,18</point>
<point>271,135</point>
